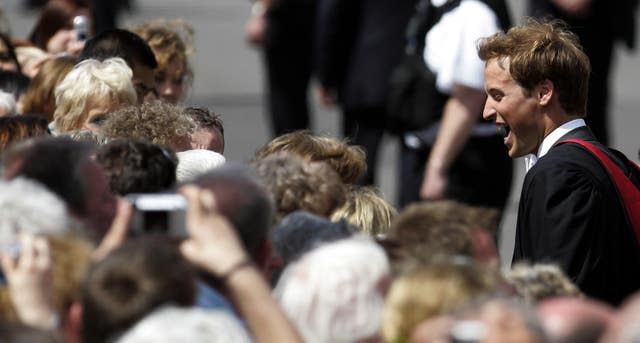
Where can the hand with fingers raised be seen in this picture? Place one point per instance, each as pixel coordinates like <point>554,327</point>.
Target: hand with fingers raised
<point>213,243</point>
<point>30,281</point>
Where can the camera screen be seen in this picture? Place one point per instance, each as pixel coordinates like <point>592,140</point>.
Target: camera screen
<point>156,221</point>
<point>158,213</point>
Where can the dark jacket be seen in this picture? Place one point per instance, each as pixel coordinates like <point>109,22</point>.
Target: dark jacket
<point>570,214</point>
<point>359,43</point>
<point>615,19</point>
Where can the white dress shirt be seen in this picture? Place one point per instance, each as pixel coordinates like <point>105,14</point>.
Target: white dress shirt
<point>551,139</point>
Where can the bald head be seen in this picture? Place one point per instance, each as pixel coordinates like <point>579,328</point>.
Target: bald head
<point>570,320</point>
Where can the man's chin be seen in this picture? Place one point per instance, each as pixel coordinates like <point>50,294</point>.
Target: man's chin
<point>514,153</point>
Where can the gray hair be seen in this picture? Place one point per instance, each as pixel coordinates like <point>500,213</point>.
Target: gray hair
<point>193,163</point>
<point>27,206</point>
<point>331,294</point>
<point>177,325</point>
<point>7,103</point>
<point>89,136</point>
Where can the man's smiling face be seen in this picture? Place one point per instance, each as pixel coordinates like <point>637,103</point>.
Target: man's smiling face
<point>513,109</point>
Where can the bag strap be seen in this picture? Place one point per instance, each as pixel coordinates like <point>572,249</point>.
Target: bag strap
<point>627,190</point>
<point>424,18</point>
<point>427,15</point>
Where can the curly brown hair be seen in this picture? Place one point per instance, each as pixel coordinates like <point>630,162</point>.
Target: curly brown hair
<point>296,184</point>
<point>137,167</point>
<point>347,160</point>
<point>424,230</point>
<point>156,122</point>
<point>170,40</point>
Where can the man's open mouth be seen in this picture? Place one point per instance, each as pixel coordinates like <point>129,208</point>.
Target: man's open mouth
<point>503,130</point>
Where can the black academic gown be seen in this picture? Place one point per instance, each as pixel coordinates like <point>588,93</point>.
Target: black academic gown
<point>570,214</point>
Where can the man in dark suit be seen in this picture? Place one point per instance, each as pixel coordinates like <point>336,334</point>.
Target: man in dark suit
<point>570,212</point>
<point>358,44</point>
<point>285,31</point>
<point>599,24</point>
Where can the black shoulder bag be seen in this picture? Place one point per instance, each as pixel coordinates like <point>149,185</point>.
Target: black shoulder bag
<point>414,102</point>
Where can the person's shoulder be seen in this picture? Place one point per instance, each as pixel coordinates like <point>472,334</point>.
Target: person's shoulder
<point>477,8</point>
<point>567,155</point>
<point>563,157</point>
<point>477,15</point>
<point>568,163</point>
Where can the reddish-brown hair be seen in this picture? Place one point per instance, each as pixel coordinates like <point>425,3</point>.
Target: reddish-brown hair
<point>543,50</point>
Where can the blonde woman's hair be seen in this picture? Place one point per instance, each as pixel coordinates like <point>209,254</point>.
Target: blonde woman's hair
<point>90,80</point>
<point>424,291</point>
<point>366,209</point>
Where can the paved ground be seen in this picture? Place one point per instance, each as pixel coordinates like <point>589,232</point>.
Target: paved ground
<point>228,79</point>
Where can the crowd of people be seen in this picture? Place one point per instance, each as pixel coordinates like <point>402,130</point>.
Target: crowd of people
<point>121,220</point>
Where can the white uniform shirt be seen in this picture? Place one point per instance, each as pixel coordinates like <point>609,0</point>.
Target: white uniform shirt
<point>451,45</point>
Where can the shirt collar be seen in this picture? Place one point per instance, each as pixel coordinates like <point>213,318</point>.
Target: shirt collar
<point>551,139</point>
<point>556,134</point>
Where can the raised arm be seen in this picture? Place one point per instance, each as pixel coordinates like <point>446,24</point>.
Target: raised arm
<point>214,246</point>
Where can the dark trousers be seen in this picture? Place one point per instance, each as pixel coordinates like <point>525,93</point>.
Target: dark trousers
<point>480,176</point>
<point>365,127</point>
<point>288,54</point>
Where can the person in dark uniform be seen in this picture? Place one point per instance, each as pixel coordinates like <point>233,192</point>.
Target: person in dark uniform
<point>570,212</point>
<point>458,155</point>
<point>285,31</point>
<point>359,44</point>
<point>599,24</point>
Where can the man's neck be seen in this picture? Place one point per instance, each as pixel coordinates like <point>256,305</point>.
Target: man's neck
<point>556,118</point>
<point>551,139</point>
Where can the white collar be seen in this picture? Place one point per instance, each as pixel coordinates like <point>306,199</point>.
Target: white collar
<point>551,139</point>
<point>556,134</point>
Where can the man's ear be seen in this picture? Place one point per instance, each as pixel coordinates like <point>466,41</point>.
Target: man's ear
<point>544,92</point>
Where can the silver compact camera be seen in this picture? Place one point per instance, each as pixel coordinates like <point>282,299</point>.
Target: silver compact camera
<point>81,27</point>
<point>162,213</point>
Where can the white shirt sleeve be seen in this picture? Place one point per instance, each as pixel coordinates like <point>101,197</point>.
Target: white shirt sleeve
<point>451,45</point>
